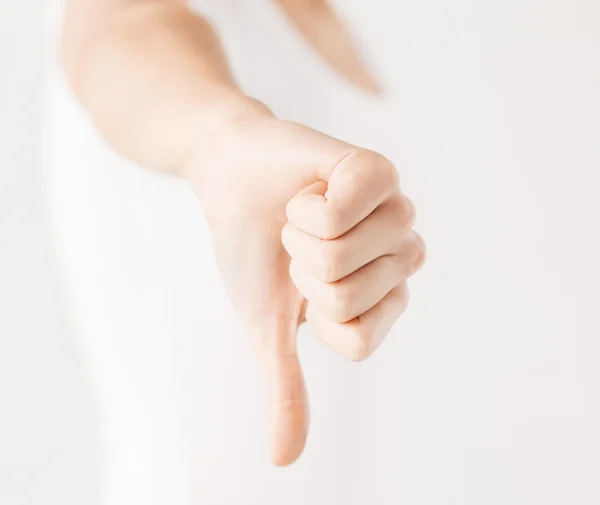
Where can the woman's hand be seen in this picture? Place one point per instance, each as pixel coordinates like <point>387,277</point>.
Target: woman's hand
<point>305,226</point>
<point>156,83</point>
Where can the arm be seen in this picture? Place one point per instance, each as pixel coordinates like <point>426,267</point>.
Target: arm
<point>304,226</point>
<point>153,77</point>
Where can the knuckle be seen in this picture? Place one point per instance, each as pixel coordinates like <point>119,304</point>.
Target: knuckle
<point>360,347</point>
<point>400,297</point>
<point>378,164</point>
<point>357,154</point>
<point>387,170</point>
<point>331,228</point>
<point>420,251</point>
<point>340,304</point>
<point>394,265</point>
<point>330,260</point>
<point>402,214</point>
<point>408,213</point>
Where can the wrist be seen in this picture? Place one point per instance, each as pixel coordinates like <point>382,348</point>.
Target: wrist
<point>216,132</point>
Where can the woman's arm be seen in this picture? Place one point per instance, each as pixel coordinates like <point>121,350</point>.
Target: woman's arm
<point>144,69</point>
<point>156,83</point>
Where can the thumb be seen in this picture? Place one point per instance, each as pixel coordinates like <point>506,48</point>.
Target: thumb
<point>286,391</point>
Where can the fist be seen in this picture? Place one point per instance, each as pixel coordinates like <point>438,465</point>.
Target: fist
<point>352,249</point>
<point>305,227</point>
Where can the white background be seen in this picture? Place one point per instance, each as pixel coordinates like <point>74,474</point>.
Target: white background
<point>522,82</point>
<point>47,448</point>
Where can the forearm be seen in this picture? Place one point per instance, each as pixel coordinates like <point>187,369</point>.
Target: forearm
<point>153,77</point>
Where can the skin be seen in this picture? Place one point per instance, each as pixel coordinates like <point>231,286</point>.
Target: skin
<point>305,227</point>
<point>323,29</point>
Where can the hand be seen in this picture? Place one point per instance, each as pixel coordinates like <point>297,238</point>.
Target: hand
<point>305,226</point>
